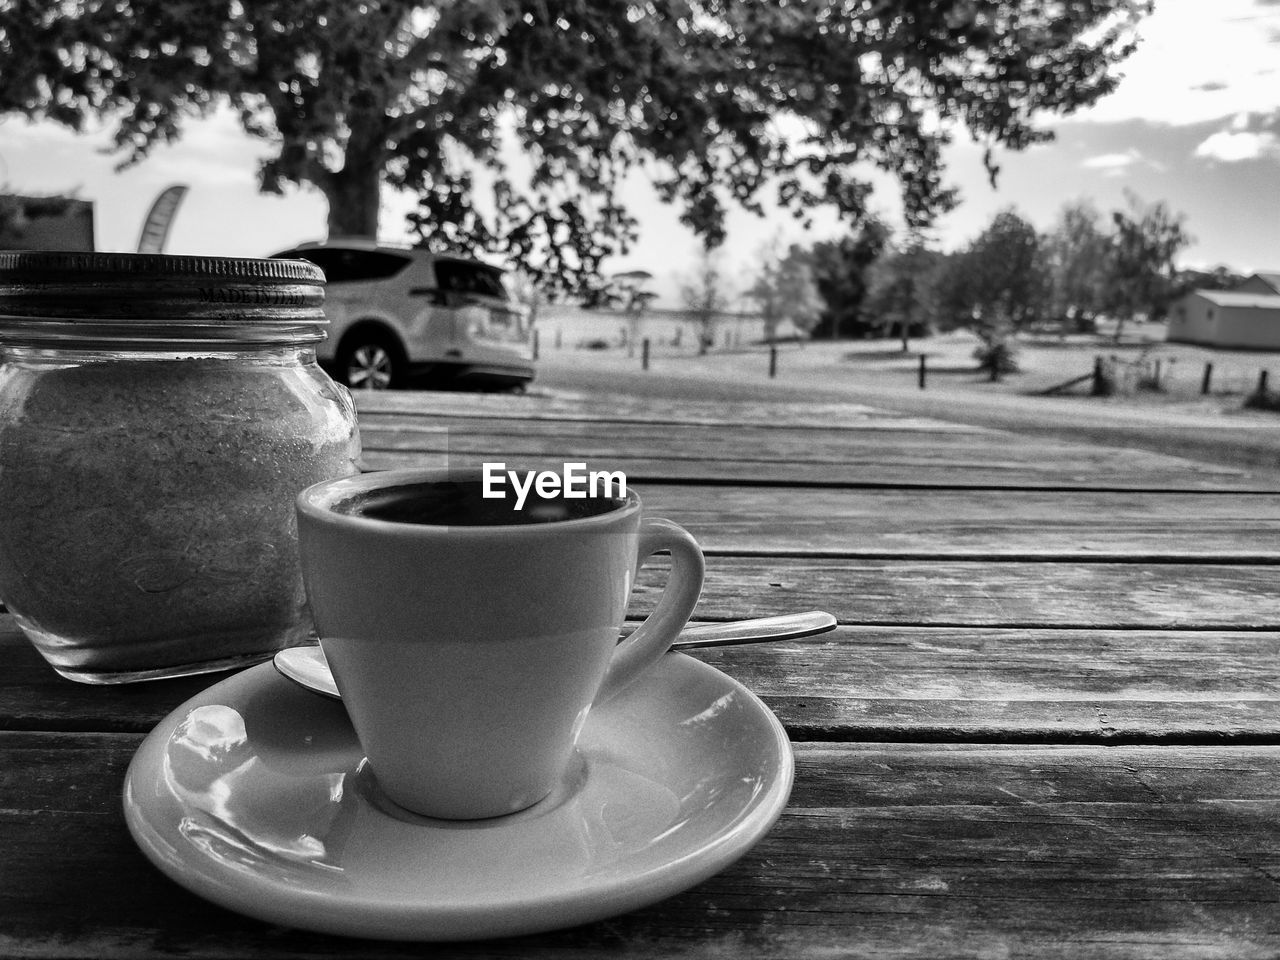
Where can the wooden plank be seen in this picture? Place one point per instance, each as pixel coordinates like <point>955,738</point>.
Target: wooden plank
<point>955,684</point>
<point>961,593</point>
<point>594,420</point>
<point>829,457</point>
<point>829,443</point>
<point>615,439</point>
<point>33,697</point>
<point>1088,526</point>
<point>602,407</point>
<point>936,684</point>
<point>653,469</point>
<point>894,851</point>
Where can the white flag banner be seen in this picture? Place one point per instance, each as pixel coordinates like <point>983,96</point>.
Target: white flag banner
<point>155,229</point>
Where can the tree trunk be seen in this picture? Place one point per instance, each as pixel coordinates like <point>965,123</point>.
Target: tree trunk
<point>354,198</point>
<point>354,192</point>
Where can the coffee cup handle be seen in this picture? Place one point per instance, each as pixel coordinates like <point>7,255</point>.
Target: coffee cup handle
<point>654,637</point>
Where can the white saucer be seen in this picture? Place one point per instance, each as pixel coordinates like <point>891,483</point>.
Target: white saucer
<point>255,795</point>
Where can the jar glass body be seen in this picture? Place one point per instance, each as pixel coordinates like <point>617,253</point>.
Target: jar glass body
<point>147,524</point>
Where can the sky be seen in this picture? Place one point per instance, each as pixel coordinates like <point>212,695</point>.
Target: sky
<point>1195,123</point>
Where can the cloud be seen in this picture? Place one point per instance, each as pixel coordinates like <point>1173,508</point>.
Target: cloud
<point>1110,161</point>
<point>1118,164</point>
<point>1247,136</point>
<point>1196,62</point>
<point>1233,146</point>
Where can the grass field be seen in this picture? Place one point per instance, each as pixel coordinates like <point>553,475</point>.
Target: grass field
<point>1176,419</point>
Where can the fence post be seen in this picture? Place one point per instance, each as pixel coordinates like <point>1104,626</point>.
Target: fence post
<point>1208,379</point>
<point>535,343</point>
<point>922,371</point>
<point>1262,383</point>
<point>644,354</point>
<point>773,360</point>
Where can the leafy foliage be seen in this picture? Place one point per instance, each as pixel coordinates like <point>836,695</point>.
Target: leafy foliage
<point>1009,277</point>
<point>997,356</point>
<point>841,270</point>
<point>1077,256</point>
<point>561,244</point>
<point>718,100</point>
<point>901,293</point>
<point>784,289</point>
<point>1220,277</point>
<point>705,293</point>
<point>998,285</point>
<point>1140,273</point>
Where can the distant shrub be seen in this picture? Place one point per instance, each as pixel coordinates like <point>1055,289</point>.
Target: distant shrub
<point>996,357</point>
<point>1263,399</point>
<point>1150,381</point>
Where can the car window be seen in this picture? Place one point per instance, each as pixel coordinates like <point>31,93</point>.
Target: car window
<point>341,265</point>
<point>455,276</point>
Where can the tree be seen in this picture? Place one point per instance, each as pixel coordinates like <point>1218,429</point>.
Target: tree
<point>526,292</point>
<point>632,294</point>
<point>1140,267</point>
<point>840,270</point>
<point>1076,257</point>
<point>997,287</point>
<point>1220,277</point>
<point>1007,282</point>
<point>954,294</point>
<point>562,242</point>
<point>707,95</point>
<point>901,290</point>
<point>784,289</point>
<point>705,295</point>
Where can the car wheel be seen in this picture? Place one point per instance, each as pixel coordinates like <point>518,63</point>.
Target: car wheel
<point>371,361</point>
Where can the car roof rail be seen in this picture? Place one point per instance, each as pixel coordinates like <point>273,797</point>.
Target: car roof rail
<point>358,242</point>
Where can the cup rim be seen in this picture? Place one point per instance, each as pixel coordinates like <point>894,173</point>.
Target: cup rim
<point>317,502</point>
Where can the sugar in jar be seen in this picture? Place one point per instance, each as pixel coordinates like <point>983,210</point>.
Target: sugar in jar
<point>158,416</point>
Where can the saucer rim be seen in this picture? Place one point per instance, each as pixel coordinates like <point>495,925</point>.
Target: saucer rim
<point>254,895</point>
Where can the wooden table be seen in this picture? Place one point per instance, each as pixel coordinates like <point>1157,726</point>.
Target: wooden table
<point>1048,725</point>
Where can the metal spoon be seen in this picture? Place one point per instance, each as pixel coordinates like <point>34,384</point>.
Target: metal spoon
<point>306,665</point>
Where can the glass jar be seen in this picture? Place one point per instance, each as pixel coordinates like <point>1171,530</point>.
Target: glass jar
<point>158,416</point>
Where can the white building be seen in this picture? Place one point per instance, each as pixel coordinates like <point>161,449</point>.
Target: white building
<point>1247,317</point>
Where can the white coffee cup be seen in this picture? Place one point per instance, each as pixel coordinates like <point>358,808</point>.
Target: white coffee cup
<point>469,645</point>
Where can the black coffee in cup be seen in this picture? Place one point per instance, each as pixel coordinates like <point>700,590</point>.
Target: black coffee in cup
<point>463,504</point>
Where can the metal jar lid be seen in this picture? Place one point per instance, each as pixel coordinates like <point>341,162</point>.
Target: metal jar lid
<point>57,298</point>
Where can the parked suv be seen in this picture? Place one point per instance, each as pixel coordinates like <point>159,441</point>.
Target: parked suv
<point>396,311</point>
